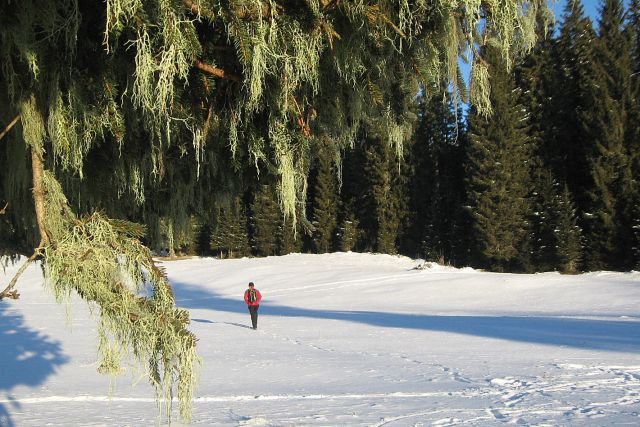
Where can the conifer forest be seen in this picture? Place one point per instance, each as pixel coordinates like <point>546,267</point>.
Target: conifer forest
<point>233,128</point>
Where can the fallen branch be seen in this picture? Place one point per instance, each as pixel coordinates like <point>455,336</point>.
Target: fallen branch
<point>8,128</point>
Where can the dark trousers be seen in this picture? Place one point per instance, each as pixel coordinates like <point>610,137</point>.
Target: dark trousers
<point>253,310</point>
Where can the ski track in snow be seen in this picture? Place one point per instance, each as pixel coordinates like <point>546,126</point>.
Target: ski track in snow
<point>403,384</point>
<point>327,286</point>
<point>513,400</point>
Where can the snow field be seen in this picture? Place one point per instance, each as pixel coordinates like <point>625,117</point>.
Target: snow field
<point>348,340</point>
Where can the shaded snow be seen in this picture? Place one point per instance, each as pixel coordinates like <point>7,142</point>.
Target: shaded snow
<point>348,340</point>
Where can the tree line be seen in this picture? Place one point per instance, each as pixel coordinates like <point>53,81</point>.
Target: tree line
<point>547,181</point>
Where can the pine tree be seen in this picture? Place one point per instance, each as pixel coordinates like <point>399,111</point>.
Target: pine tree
<point>499,175</point>
<point>325,203</point>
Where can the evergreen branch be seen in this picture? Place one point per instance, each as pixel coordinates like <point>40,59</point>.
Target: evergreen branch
<point>374,13</point>
<point>210,69</point>
<point>9,126</point>
<point>394,26</point>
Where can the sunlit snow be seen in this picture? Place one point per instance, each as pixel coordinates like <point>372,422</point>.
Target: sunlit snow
<point>347,340</point>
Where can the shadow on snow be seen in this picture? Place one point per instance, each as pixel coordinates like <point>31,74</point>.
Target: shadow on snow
<point>27,358</point>
<point>593,334</point>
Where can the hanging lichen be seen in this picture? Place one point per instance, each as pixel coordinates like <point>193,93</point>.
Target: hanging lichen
<point>481,88</point>
<point>103,261</point>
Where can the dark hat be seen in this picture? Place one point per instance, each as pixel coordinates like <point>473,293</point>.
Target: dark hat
<point>250,283</point>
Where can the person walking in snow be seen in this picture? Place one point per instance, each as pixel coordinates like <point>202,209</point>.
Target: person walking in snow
<point>252,297</point>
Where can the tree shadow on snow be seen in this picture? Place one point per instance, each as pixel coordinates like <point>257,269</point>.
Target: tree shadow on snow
<point>610,335</point>
<point>27,358</point>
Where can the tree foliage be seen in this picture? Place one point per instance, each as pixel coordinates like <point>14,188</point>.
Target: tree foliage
<point>499,177</point>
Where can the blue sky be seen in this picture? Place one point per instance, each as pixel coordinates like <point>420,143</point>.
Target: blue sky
<point>591,8</point>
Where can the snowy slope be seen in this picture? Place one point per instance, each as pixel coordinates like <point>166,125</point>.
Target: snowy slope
<point>348,340</point>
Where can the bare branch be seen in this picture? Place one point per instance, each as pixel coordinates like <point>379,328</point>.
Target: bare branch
<point>8,128</point>
<point>4,210</point>
<point>304,125</point>
<point>38,199</point>
<point>38,195</point>
<point>210,69</point>
<point>11,293</point>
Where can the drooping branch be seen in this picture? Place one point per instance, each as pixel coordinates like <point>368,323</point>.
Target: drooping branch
<point>210,69</point>
<point>9,126</point>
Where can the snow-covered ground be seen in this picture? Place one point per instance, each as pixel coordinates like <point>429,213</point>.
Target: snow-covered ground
<point>348,340</point>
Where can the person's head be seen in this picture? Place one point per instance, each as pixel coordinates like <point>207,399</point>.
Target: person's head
<point>251,285</point>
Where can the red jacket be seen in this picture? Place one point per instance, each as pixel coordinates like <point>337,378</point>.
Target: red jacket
<point>258,297</point>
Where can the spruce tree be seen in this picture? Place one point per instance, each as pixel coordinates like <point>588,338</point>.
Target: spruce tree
<point>607,228</point>
<point>568,235</point>
<point>537,77</point>
<point>386,196</point>
<point>499,174</point>
<point>436,184</point>
<point>632,138</point>
<point>289,239</point>
<point>544,245</point>
<point>230,237</point>
<point>325,202</point>
<point>572,145</point>
<point>357,203</point>
<point>266,221</point>
<point>556,238</point>
<point>349,233</point>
